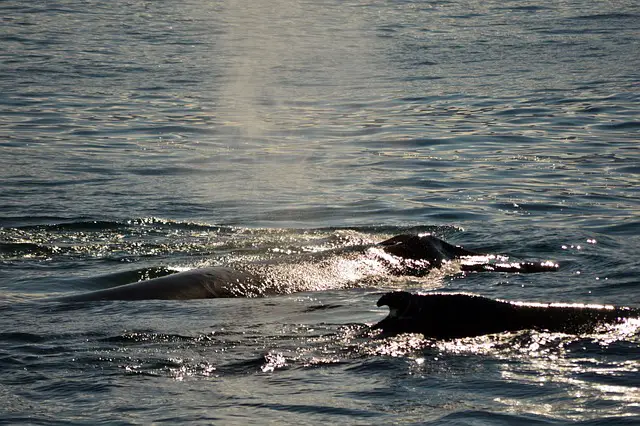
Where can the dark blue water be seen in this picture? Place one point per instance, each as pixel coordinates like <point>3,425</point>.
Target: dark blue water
<point>141,138</point>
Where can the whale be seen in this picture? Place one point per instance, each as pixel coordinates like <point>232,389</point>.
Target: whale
<point>401,255</point>
<point>446,316</point>
<point>201,283</point>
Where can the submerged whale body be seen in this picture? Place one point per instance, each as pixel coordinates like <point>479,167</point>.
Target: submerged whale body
<point>451,316</point>
<point>203,283</point>
<point>403,255</point>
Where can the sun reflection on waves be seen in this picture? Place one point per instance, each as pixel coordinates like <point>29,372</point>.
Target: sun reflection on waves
<point>576,376</point>
<point>398,346</point>
<point>548,359</point>
<point>273,361</point>
<point>370,267</point>
<point>331,274</point>
<point>611,333</point>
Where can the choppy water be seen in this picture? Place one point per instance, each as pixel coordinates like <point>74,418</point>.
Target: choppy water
<point>139,138</point>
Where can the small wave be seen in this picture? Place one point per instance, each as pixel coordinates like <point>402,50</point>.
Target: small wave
<point>623,126</point>
<point>119,240</point>
<point>322,307</point>
<point>54,224</point>
<point>531,8</point>
<point>149,337</point>
<point>67,388</point>
<point>17,337</point>
<point>314,409</point>
<point>605,16</point>
<point>487,417</point>
<point>627,229</point>
<point>16,249</point>
<point>82,224</point>
<point>629,169</point>
<point>73,225</point>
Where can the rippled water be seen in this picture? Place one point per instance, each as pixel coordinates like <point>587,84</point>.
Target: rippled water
<point>142,138</point>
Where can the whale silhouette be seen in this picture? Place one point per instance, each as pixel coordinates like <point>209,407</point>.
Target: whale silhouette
<point>455,315</point>
<point>402,255</point>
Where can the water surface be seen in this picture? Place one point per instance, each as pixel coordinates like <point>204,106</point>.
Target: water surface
<point>142,138</point>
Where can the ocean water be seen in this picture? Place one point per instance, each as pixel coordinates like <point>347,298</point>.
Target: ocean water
<point>142,138</point>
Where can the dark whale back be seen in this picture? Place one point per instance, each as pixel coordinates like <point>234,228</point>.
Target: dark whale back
<point>410,255</point>
<point>202,283</point>
<point>449,316</point>
<point>426,247</point>
<point>418,254</point>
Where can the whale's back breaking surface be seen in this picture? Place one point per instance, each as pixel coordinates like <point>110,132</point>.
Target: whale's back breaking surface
<point>402,255</point>
<point>194,284</point>
<point>450,316</point>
